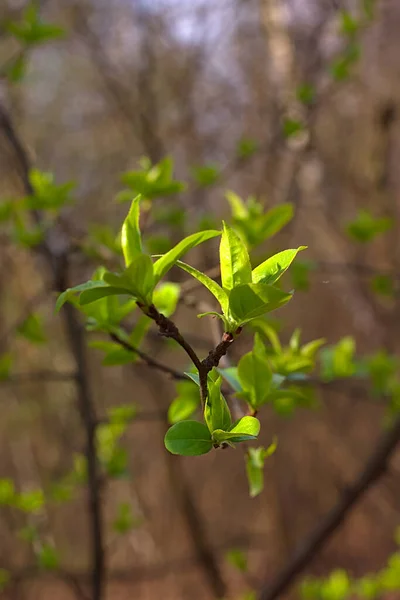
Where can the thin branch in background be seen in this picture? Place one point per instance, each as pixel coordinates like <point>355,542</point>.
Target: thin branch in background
<point>375,467</point>
<point>57,261</point>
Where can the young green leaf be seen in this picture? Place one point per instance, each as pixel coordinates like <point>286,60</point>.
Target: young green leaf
<point>246,428</point>
<point>252,300</point>
<point>32,329</point>
<point>69,293</point>
<point>255,460</point>
<point>216,412</point>
<point>6,362</point>
<point>275,219</point>
<point>234,260</point>
<point>273,268</point>
<point>130,235</point>
<point>209,283</point>
<point>230,374</point>
<point>239,209</point>
<point>185,404</point>
<point>167,261</point>
<point>237,559</point>
<point>141,277</point>
<point>188,438</point>
<point>98,292</point>
<point>255,374</point>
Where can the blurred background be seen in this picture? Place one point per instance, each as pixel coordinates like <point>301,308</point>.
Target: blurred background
<point>285,100</point>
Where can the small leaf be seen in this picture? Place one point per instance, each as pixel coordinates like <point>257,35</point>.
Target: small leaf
<point>292,127</point>
<point>234,260</point>
<point>185,404</point>
<point>32,329</point>
<point>206,175</point>
<point>166,297</point>
<point>7,492</point>
<point>238,207</point>
<point>209,283</point>
<point>188,438</point>
<point>5,578</point>
<point>98,292</point>
<point>275,219</point>
<point>252,300</point>
<point>124,520</point>
<point>31,502</point>
<point>365,227</point>
<point>130,236</point>
<point>216,412</point>
<point>142,278</point>
<point>255,375</point>
<point>246,147</point>
<point>67,294</point>
<point>383,285</point>
<point>255,460</point>
<point>306,93</point>
<point>48,558</point>
<point>167,261</point>
<point>237,559</point>
<point>273,268</point>
<point>6,362</point>
<point>231,376</point>
<point>246,428</point>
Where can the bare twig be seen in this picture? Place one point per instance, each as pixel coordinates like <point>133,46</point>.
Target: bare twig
<point>375,467</point>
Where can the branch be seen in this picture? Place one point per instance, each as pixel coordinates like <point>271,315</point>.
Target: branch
<point>375,467</point>
<point>169,329</point>
<point>58,264</point>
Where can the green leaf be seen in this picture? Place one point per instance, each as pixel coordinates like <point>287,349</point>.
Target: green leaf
<point>255,374</point>
<point>47,557</point>
<point>7,492</point>
<point>237,559</point>
<point>142,278</point>
<point>275,219</point>
<point>292,127</point>
<point>185,404</point>
<point>238,207</point>
<point>252,300</point>
<point>230,374</point>
<point>165,297</point>
<point>383,285</point>
<point>365,227</point>
<point>31,502</point>
<point>274,267</point>
<point>69,293</point>
<point>188,438</point>
<point>234,259</point>
<point>206,175</point>
<point>6,361</point>
<point>246,428</point>
<point>124,520</point>
<point>167,261</point>
<point>98,292</point>
<point>209,283</point>
<point>125,413</point>
<point>305,93</point>
<point>246,147</point>
<point>17,68</point>
<point>348,24</point>
<point>216,412</point>
<point>5,578</point>
<point>32,329</point>
<point>130,236</point>
<point>255,460</point>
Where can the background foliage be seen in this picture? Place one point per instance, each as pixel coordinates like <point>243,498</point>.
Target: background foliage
<point>281,118</point>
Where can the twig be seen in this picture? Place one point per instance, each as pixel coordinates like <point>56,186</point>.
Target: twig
<point>151,362</point>
<point>373,470</point>
<point>169,329</point>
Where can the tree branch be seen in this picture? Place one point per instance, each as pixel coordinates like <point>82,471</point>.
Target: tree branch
<point>373,470</point>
